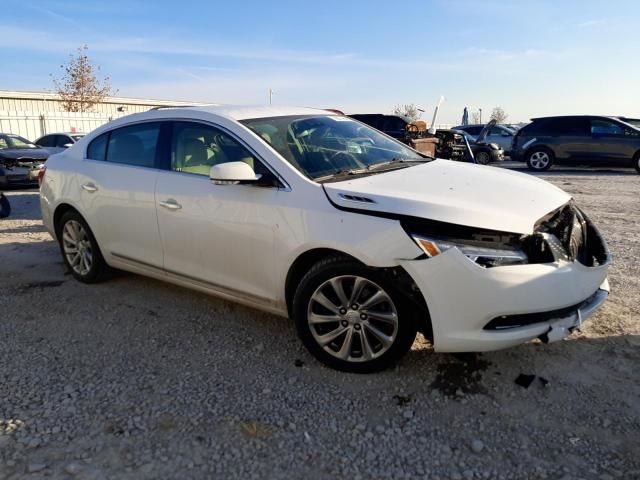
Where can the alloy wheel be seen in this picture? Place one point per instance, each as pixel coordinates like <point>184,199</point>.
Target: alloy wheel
<point>77,247</point>
<point>539,160</point>
<point>352,318</point>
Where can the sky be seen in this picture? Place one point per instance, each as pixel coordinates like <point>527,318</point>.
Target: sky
<point>532,58</point>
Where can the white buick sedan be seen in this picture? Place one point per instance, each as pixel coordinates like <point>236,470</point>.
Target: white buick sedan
<point>314,216</point>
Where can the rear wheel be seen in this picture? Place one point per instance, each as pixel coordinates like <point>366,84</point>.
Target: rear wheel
<point>80,249</point>
<point>351,317</point>
<point>636,162</point>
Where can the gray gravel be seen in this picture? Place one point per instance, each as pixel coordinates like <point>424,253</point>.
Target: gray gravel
<point>136,379</point>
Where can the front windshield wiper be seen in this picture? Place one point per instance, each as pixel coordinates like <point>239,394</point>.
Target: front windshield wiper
<point>398,161</point>
<point>342,172</point>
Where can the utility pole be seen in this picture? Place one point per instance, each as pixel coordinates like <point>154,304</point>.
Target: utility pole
<point>480,114</point>
<point>270,96</point>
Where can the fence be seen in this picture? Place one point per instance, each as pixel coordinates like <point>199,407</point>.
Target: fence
<point>33,125</point>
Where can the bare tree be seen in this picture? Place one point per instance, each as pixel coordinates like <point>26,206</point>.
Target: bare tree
<point>79,87</point>
<point>475,117</point>
<point>408,110</point>
<point>499,115</point>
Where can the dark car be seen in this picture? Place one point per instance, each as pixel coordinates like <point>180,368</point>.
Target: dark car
<point>20,161</point>
<point>393,125</point>
<point>484,151</point>
<point>577,140</point>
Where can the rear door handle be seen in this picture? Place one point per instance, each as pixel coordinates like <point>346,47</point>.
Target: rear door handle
<point>89,187</point>
<point>171,204</point>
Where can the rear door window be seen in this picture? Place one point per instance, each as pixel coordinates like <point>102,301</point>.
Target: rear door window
<point>566,126</point>
<point>134,145</point>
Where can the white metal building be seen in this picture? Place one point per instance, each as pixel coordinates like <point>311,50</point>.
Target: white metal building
<point>33,114</point>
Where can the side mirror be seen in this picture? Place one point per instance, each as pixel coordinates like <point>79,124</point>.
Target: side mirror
<point>67,145</point>
<point>231,173</point>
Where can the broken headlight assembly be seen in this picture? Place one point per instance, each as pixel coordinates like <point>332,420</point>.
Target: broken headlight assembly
<point>485,254</point>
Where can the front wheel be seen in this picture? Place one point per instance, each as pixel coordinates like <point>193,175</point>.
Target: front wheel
<point>351,317</point>
<point>539,159</point>
<point>483,157</point>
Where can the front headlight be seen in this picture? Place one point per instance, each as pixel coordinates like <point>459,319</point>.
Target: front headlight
<point>484,256</point>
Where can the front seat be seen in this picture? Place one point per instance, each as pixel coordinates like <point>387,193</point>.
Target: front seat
<point>194,158</point>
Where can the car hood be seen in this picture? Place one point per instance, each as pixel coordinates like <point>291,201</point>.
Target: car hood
<point>454,192</point>
<point>482,136</point>
<point>24,154</point>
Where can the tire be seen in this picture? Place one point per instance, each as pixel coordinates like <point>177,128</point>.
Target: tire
<point>539,159</point>
<point>80,249</point>
<point>483,157</point>
<point>636,162</point>
<point>360,337</point>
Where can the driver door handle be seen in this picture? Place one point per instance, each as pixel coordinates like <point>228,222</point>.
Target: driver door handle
<point>170,204</point>
<point>89,187</point>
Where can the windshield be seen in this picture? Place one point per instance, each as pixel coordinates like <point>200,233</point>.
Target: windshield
<point>322,147</point>
<point>15,141</point>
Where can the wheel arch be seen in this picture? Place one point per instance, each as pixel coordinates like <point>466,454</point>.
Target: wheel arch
<point>306,260</point>
<point>302,264</point>
<point>59,212</point>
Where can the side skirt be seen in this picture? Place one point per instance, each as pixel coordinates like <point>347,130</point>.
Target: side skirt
<point>134,266</point>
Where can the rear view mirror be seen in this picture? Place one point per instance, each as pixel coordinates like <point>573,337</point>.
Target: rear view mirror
<point>230,173</point>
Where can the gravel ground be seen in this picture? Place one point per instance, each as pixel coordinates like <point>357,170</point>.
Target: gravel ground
<point>136,379</point>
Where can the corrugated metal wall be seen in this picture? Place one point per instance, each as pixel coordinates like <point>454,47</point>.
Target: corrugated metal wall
<point>33,125</point>
<point>51,105</point>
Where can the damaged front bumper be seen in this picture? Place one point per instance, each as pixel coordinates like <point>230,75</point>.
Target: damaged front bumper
<point>473,308</point>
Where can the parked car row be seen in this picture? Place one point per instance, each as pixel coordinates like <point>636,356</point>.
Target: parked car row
<point>568,140</point>
<point>21,159</point>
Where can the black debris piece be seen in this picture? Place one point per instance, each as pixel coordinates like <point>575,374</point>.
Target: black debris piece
<point>525,380</point>
<point>402,400</point>
<point>544,381</point>
<point>298,362</point>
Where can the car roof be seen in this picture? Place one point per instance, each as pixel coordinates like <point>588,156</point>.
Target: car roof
<point>240,112</point>
<point>612,117</point>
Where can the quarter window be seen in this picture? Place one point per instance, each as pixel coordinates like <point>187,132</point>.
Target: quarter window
<point>195,148</point>
<point>605,127</point>
<point>98,147</point>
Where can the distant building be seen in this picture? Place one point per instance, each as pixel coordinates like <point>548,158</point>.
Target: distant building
<point>33,114</point>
